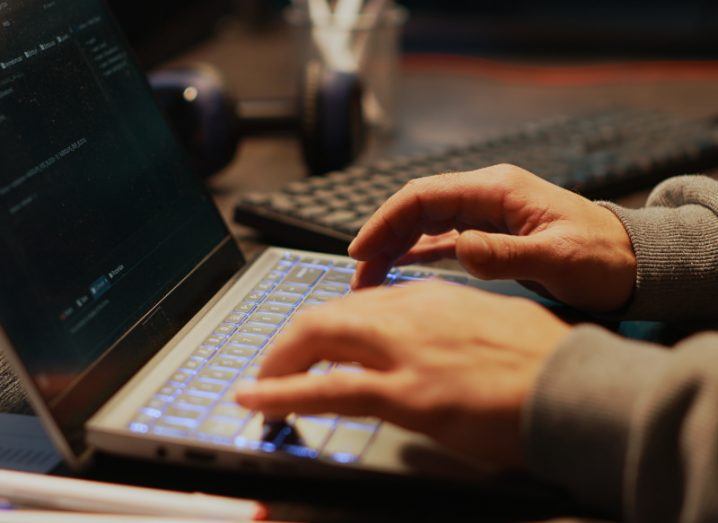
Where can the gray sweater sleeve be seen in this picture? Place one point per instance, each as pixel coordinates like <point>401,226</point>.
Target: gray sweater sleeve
<point>675,238</point>
<point>631,429</point>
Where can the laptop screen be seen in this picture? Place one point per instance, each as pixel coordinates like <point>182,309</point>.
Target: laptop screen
<point>100,215</point>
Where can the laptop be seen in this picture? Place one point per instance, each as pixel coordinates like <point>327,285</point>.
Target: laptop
<point>127,309</point>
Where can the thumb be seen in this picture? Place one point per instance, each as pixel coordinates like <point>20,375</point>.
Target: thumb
<point>492,256</point>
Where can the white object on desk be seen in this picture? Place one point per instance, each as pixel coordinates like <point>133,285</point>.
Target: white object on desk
<point>26,516</point>
<point>89,496</point>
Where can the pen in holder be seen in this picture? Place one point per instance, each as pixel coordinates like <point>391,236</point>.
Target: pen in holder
<point>364,41</point>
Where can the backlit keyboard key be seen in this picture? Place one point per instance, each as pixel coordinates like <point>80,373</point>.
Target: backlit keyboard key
<point>304,274</point>
<point>214,341</point>
<point>265,286</point>
<point>254,297</point>
<point>156,403</point>
<point>145,419</point>
<point>218,374</point>
<point>248,339</point>
<point>230,410</point>
<point>275,308</point>
<point>206,388</point>
<point>336,288</point>
<point>252,431</point>
<point>225,329</point>
<point>237,351</point>
<point>259,329</point>
<point>267,317</point>
<point>283,265</point>
<point>175,423</point>
<point>180,377</point>
<point>337,277</point>
<point>284,298</point>
<point>313,432</point>
<point>192,364</point>
<point>179,412</point>
<point>322,297</point>
<point>274,276</point>
<point>235,319</point>
<point>293,288</point>
<point>203,353</point>
<point>194,401</point>
<point>314,260</point>
<point>229,363</point>
<point>168,391</point>
<point>347,441</point>
<point>245,307</point>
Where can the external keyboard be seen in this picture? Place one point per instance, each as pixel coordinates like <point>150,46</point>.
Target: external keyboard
<point>599,155</point>
<point>197,402</point>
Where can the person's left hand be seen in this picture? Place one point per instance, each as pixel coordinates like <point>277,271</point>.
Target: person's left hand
<point>451,362</point>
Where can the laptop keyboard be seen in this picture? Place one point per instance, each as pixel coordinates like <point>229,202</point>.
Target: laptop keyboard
<point>197,402</point>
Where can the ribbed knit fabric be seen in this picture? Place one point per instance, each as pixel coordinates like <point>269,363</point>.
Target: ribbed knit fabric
<point>676,244</point>
<point>629,428</point>
<point>578,435</point>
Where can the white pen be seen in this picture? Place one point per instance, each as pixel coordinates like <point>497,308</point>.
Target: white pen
<point>319,12</point>
<point>36,490</point>
<point>347,12</point>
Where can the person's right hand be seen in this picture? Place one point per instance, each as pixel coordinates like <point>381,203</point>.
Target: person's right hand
<point>503,222</point>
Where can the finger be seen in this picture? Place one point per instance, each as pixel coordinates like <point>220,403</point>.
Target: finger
<point>349,394</point>
<point>423,203</point>
<point>431,248</point>
<point>335,332</point>
<point>500,256</point>
<point>371,274</point>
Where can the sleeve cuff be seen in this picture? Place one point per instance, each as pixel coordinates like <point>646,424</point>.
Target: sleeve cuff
<point>677,261</point>
<point>577,420</point>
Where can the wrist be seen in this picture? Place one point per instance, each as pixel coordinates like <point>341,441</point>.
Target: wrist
<point>620,260</point>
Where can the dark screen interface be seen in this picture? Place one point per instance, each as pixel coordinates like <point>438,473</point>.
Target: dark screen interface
<point>99,216</point>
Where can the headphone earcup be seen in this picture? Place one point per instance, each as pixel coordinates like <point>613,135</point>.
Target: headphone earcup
<point>199,107</point>
<point>332,125</point>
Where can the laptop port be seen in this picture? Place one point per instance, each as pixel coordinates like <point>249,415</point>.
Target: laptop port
<point>199,456</point>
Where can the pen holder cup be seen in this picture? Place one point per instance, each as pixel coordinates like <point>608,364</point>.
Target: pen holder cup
<point>370,47</point>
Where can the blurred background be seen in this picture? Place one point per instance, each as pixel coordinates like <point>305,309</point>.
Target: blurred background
<point>468,68</point>
<point>610,28</point>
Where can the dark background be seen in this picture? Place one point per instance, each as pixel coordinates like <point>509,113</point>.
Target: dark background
<point>611,28</point>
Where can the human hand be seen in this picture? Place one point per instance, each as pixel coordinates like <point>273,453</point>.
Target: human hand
<point>503,222</point>
<point>451,362</point>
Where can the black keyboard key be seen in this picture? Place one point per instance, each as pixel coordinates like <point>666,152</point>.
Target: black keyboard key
<point>600,155</point>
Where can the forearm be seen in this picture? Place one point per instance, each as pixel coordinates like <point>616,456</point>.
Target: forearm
<point>675,239</point>
<point>629,428</point>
